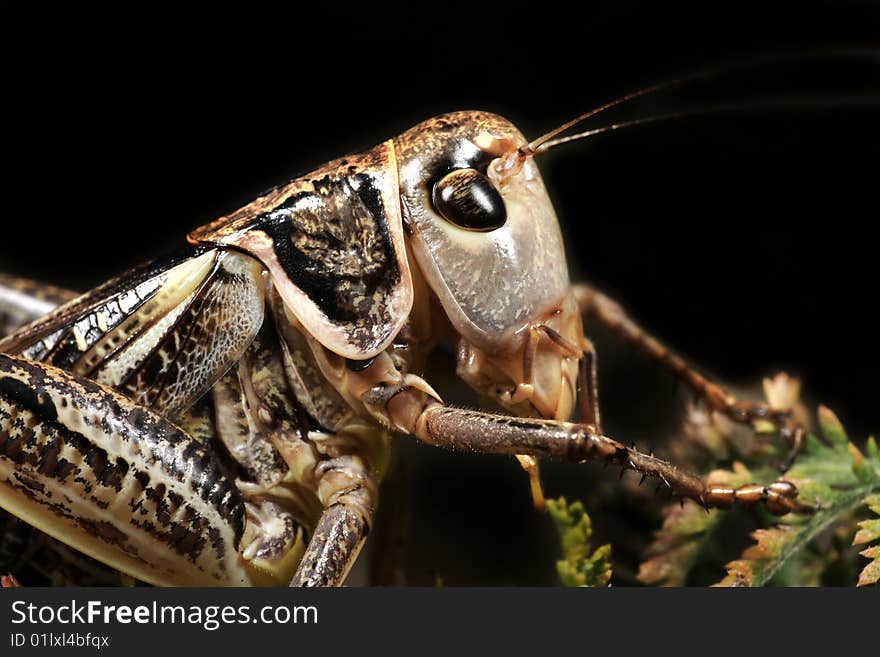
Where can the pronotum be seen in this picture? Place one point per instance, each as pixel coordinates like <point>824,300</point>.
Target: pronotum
<point>223,416</point>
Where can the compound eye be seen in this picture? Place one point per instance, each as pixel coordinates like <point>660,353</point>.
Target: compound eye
<point>466,198</point>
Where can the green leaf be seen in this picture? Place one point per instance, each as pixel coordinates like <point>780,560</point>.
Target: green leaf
<point>805,569</point>
<point>580,566</point>
<point>832,429</point>
<point>838,477</point>
<point>873,450</point>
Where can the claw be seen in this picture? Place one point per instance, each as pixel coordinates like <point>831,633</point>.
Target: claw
<point>796,436</point>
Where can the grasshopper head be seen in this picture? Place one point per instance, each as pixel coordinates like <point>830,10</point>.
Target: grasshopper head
<point>486,238</point>
<point>483,233</point>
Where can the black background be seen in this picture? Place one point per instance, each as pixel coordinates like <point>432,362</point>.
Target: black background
<point>745,241</point>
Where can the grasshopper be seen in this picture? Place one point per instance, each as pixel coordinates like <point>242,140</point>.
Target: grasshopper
<point>224,416</point>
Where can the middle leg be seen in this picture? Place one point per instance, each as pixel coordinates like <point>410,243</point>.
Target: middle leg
<point>348,492</point>
<point>598,306</point>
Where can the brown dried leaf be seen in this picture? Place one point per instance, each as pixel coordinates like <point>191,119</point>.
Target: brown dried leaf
<point>782,391</point>
<point>758,562</point>
<point>685,531</point>
<point>869,530</point>
<point>9,581</point>
<point>870,573</point>
<point>676,545</point>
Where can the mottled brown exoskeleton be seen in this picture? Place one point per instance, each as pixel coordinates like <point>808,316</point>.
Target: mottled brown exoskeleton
<point>224,416</point>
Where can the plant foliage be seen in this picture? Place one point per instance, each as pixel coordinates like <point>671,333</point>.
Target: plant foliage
<point>580,565</point>
<point>799,550</point>
<point>870,531</point>
<point>840,479</point>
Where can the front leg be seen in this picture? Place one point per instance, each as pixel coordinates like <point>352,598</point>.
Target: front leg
<point>462,429</point>
<point>598,306</point>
